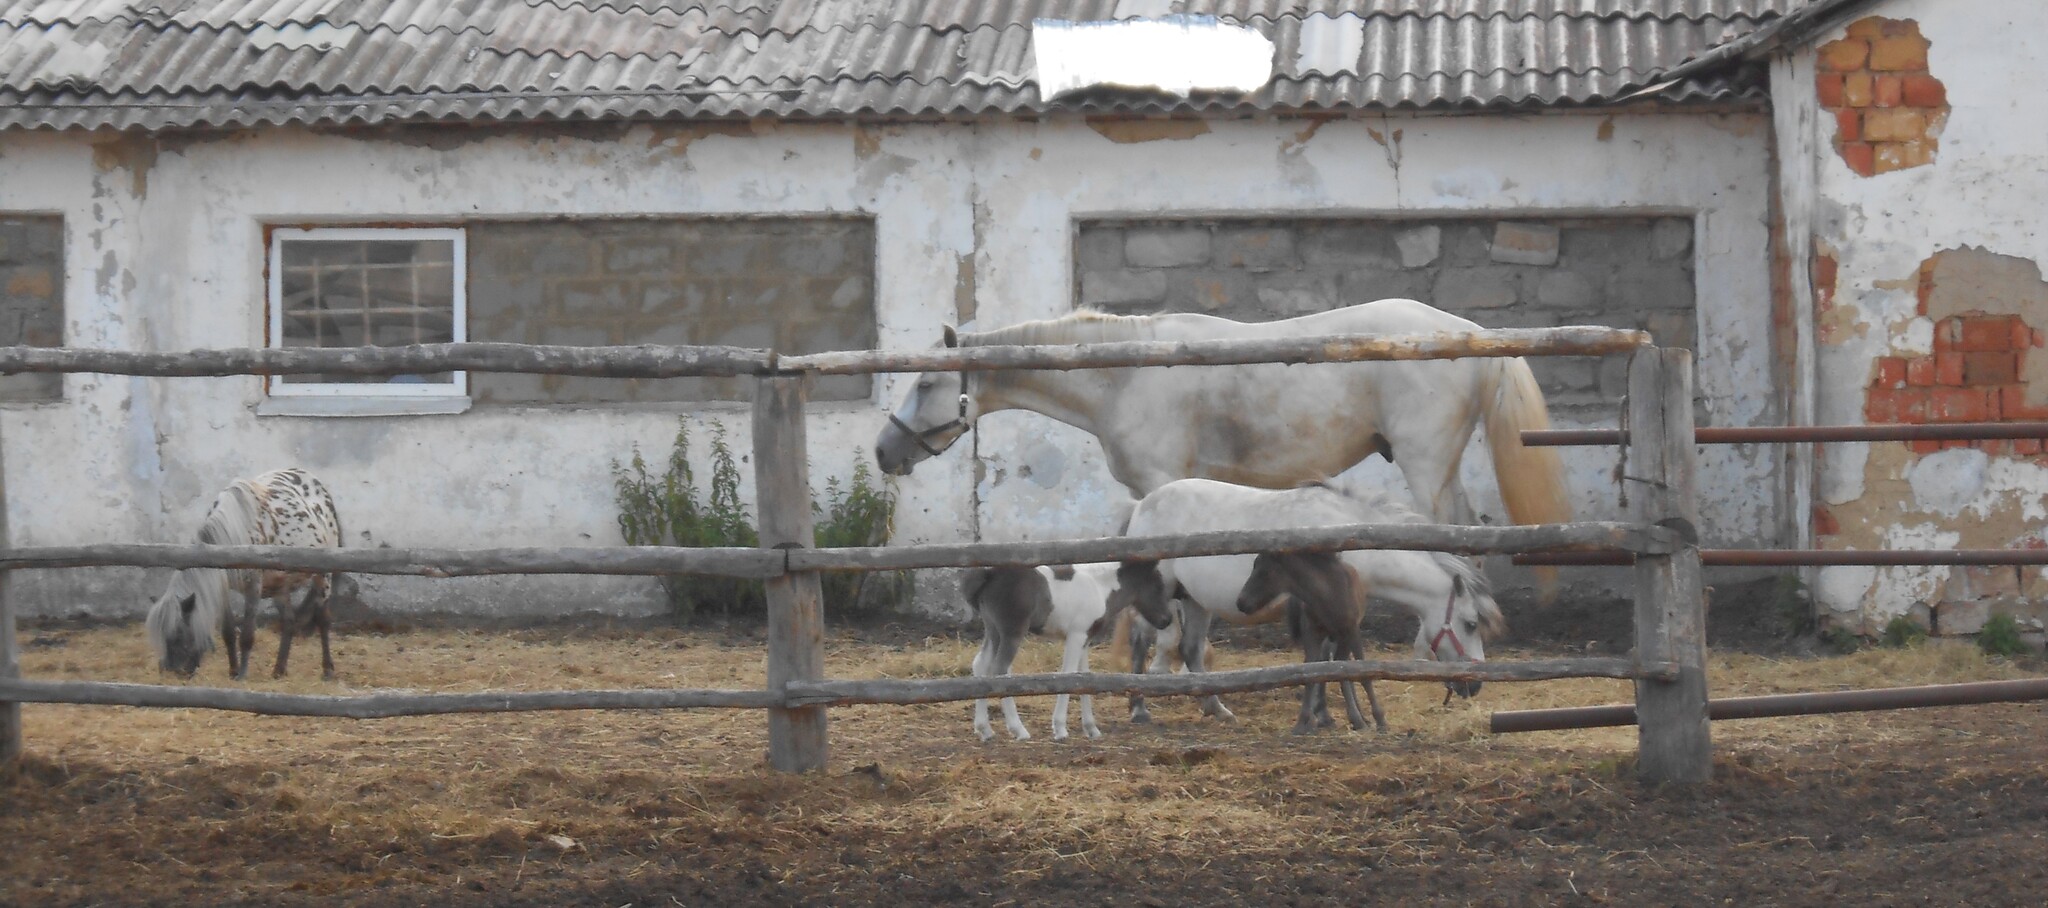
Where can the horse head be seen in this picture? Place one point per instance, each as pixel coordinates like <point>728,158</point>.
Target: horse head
<point>930,419</point>
<point>1458,632</point>
<point>179,630</point>
<point>1140,586</point>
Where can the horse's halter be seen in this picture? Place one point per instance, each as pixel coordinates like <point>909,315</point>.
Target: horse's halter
<point>1450,609</point>
<point>957,422</point>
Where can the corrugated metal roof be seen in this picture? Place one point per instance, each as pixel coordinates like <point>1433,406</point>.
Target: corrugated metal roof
<point>159,64</point>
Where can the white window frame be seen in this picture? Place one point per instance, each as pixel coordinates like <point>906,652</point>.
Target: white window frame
<point>277,386</point>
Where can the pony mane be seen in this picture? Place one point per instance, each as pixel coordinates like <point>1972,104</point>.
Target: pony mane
<point>231,521</point>
<point>1377,505</point>
<point>1082,326</point>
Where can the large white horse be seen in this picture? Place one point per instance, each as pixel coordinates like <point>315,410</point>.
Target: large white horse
<point>1448,595</point>
<point>1267,425</point>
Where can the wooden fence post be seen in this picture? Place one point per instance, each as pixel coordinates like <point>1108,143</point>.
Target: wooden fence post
<point>796,614</point>
<point>1673,743</point>
<point>10,650</point>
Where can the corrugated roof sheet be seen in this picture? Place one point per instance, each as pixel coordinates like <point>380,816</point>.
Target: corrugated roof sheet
<point>164,64</point>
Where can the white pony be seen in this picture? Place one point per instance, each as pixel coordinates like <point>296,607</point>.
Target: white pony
<point>1449,595</point>
<point>1157,425</point>
<point>1071,603</point>
<point>281,507</point>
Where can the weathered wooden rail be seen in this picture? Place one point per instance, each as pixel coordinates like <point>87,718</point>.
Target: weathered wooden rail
<point>1668,668</point>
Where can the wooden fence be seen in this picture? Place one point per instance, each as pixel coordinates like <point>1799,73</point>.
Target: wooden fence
<point>1668,667</point>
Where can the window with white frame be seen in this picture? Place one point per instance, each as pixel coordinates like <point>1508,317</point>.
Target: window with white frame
<point>367,287</point>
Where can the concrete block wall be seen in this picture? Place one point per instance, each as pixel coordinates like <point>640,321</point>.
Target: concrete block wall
<point>31,298</point>
<point>797,285</point>
<point>1631,272</point>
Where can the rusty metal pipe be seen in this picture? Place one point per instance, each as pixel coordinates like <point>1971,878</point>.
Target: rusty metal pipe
<point>1804,557</point>
<point>1846,701</point>
<point>1743,435</point>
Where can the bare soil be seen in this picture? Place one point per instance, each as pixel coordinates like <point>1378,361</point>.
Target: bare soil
<point>142,807</point>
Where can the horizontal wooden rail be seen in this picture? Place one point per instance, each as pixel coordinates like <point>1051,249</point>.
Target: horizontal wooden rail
<point>802,693</point>
<point>1384,536</point>
<point>1745,435</point>
<point>653,361</point>
<point>625,560</point>
<point>1774,705</point>
<point>946,690</point>
<point>643,361</point>
<point>763,563</point>
<point>1803,557</point>
<point>1569,341</point>
<point>374,706</point>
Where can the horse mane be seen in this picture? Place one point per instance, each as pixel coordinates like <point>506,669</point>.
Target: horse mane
<point>1377,505</point>
<point>231,521</point>
<point>1082,326</point>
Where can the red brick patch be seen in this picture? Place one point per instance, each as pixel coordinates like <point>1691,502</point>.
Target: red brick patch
<point>1875,81</point>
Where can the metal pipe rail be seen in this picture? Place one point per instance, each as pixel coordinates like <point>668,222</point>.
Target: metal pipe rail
<point>1808,704</point>
<point>1745,435</point>
<point>1803,557</point>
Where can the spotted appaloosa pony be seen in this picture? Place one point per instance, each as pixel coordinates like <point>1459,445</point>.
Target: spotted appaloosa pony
<point>1071,603</point>
<point>281,507</point>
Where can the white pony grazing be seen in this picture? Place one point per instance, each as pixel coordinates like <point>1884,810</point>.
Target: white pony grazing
<point>1071,603</point>
<point>1448,594</point>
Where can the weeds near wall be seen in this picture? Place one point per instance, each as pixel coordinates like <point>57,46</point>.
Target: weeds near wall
<point>2001,637</point>
<point>668,509</point>
<point>1901,633</point>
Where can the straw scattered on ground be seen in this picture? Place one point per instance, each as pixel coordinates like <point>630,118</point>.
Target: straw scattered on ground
<point>128,806</point>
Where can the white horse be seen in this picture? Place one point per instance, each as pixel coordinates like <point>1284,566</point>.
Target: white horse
<point>1449,595</point>
<point>1071,603</point>
<point>1221,422</point>
<point>281,507</point>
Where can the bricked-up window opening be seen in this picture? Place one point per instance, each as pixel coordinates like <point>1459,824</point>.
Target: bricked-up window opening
<point>367,287</point>
<point>31,299</point>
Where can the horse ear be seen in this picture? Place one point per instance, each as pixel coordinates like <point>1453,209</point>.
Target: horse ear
<point>951,337</point>
<point>1457,586</point>
<point>187,604</point>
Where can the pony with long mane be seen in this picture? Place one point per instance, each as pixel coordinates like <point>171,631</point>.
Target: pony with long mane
<point>281,507</point>
<point>1267,425</point>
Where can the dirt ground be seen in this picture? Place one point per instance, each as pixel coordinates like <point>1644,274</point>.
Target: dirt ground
<point>133,807</point>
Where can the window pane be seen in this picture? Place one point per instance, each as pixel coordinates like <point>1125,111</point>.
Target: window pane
<point>355,292</point>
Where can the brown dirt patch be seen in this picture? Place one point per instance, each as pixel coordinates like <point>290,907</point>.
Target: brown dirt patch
<point>130,807</point>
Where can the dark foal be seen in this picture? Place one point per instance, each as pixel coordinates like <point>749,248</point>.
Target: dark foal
<point>1326,602</point>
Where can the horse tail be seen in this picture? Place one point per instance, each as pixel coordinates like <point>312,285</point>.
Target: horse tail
<point>1531,479</point>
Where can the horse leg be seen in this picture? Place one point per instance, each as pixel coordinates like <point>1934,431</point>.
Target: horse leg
<point>1005,656</point>
<point>1074,659</point>
<point>1311,651</point>
<point>287,624</point>
<point>1354,648</point>
<point>324,617</point>
<point>1432,477</point>
<point>1140,641</point>
<point>227,637</point>
<point>248,637</point>
<point>983,659</point>
<point>1194,652</point>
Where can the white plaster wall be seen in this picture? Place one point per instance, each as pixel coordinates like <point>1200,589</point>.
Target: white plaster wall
<point>1034,181</point>
<point>171,258</point>
<point>1985,188</point>
<point>179,265</point>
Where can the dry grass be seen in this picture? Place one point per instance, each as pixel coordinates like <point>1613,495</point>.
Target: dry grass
<point>201,803</point>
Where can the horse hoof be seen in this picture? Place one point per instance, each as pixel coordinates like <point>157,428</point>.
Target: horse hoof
<point>1022,736</point>
<point>1141,718</point>
<point>986,736</point>
<point>1302,729</point>
<point>328,676</point>
<point>1093,733</point>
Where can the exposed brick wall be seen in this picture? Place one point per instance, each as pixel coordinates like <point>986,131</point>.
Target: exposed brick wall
<point>1888,109</point>
<point>31,298</point>
<point>1629,272</point>
<point>1977,371</point>
<point>797,285</point>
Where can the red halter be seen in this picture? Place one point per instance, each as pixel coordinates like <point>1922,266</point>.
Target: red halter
<point>1450,606</point>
